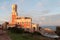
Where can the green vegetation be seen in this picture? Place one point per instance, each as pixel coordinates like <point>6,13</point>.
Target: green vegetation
<point>26,36</point>
<point>20,34</point>
<point>23,36</point>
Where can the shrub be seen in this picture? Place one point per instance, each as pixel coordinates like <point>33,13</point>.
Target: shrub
<point>36,33</point>
<point>16,30</point>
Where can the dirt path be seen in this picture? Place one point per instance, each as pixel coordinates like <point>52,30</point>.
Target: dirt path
<point>4,36</point>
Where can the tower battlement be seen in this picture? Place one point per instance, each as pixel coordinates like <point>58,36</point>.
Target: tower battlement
<point>14,7</point>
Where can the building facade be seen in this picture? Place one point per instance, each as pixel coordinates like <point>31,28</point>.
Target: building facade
<point>24,22</point>
<point>35,26</point>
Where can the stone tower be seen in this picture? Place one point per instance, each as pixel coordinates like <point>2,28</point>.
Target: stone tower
<point>14,13</point>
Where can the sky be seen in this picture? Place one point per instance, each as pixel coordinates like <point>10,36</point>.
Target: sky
<point>44,12</point>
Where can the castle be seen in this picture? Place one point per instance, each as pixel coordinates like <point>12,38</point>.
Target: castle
<point>24,22</point>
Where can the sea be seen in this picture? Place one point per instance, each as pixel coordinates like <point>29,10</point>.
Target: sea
<point>51,27</point>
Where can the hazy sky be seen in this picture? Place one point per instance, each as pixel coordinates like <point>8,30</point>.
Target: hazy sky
<point>41,11</point>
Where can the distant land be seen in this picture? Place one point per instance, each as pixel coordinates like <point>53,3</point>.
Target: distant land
<point>51,27</point>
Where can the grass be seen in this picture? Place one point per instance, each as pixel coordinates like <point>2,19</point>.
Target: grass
<point>25,36</point>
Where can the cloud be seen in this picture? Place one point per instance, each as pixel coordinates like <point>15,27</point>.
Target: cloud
<point>3,7</point>
<point>39,5</point>
<point>42,18</point>
<point>40,23</point>
<point>38,13</point>
<point>42,3</point>
<point>45,11</point>
<point>50,20</point>
<point>22,0</point>
<point>45,1</point>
